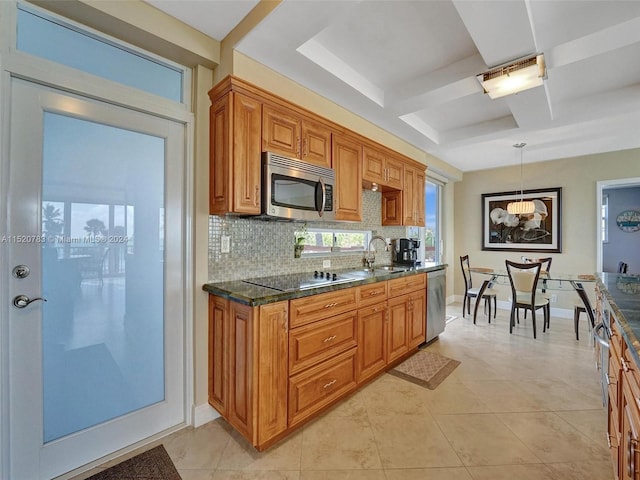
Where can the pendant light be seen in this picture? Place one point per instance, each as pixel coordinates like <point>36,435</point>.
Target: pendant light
<point>521,207</point>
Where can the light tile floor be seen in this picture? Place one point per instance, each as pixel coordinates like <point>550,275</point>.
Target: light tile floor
<point>515,408</point>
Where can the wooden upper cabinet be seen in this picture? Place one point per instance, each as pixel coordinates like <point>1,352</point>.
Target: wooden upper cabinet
<point>381,168</point>
<point>347,163</point>
<point>373,165</point>
<point>291,135</point>
<point>413,210</point>
<point>408,196</point>
<point>235,169</point>
<point>420,198</point>
<point>316,143</point>
<point>395,173</point>
<point>281,132</point>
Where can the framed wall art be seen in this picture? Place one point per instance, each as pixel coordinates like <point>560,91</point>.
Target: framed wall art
<point>540,231</point>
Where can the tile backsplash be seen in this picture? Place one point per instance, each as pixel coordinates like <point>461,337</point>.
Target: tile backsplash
<point>261,248</point>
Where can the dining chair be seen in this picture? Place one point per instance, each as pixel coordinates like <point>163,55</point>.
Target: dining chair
<point>471,292</point>
<point>523,278</point>
<point>585,307</point>
<point>546,268</point>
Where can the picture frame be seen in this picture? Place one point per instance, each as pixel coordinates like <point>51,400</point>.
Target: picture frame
<point>537,232</point>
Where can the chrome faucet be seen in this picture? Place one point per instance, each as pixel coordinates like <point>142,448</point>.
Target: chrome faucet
<point>369,257</point>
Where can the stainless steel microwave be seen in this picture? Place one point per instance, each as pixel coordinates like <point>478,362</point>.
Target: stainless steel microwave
<point>296,190</point>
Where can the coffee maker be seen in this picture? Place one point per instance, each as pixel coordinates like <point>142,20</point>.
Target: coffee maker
<point>406,251</point>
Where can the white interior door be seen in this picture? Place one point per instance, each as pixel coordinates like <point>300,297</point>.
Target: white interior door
<point>95,228</point>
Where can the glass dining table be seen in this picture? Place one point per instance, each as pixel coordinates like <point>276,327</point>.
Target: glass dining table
<point>547,281</point>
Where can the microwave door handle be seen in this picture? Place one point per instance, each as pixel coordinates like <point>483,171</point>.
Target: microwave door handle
<point>323,191</point>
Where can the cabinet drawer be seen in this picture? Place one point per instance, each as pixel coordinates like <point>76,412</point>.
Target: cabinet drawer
<point>371,294</point>
<point>318,386</point>
<point>313,343</point>
<point>400,286</point>
<point>317,307</point>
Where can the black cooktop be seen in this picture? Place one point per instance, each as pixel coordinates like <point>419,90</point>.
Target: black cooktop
<point>298,281</point>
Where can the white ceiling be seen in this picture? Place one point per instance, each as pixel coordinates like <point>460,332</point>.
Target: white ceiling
<point>410,67</point>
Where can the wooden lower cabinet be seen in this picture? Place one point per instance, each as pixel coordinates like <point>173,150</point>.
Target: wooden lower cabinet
<point>397,332</point>
<point>276,366</point>
<point>256,377</point>
<point>372,340</point>
<point>623,428</point>
<point>417,326</point>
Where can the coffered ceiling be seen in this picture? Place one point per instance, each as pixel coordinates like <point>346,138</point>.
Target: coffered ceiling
<point>410,67</point>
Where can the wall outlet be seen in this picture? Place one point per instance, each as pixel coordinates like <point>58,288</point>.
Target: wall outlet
<point>326,263</point>
<point>225,244</point>
<point>554,298</point>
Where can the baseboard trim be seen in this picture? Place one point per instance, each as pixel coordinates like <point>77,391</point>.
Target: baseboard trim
<point>204,413</point>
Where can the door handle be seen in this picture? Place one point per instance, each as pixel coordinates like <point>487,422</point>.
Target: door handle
<point>21,301</point>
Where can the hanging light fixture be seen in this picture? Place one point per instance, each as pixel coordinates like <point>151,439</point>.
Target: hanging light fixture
<point>521,207</point>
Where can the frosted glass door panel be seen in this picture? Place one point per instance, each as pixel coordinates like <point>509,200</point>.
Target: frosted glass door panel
<point>102,261</point>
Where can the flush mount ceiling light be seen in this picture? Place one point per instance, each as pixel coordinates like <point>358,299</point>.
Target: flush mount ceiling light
<point>514,77</point>
<point>521,207</point>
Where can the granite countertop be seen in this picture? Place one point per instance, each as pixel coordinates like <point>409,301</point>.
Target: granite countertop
<point>623,294</point>
<point>254,295</point>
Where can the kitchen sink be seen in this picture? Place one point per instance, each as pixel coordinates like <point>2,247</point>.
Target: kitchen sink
<point>370,272</point>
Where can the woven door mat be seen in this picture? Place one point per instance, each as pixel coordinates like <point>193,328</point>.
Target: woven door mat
<point>154,464</point>
<point>425,369</point>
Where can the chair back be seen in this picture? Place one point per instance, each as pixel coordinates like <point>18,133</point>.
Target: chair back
<point>546,262</point>
<point>622,267</point>
<point>523,278</point>
<point>466,274</point>
<point>585,299</point>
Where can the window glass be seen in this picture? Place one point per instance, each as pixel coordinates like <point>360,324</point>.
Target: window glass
<point>318,240</point>
<point>431,239</point>
<point>604,218</point>
<point>40,35</point>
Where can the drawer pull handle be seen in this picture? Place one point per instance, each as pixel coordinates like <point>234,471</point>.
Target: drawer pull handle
<point>608,379</point>
<point>329,305</point>
<point>327,385</point>
<point>609,444</point>
<point>328,339</point>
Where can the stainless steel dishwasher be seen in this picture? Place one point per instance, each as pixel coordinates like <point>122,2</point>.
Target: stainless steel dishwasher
<point>436,306</point>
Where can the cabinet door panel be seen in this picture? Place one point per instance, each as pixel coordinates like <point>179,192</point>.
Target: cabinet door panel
<point>372,341</point>
<point>397,337</point>
<point>281,132</point>
<point>220,179</point>
<point>272,348</point>
<point>347,163</point>
<point>392,208</point>
<point>373,162</point>
<point>408,196</point>
<point>240,359</point>
<point>419,193</point>
<point>416,319</point>
<point>246,154</point>
<point>395,173</point>
<point>218,353</point>
<point>316,143</point>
